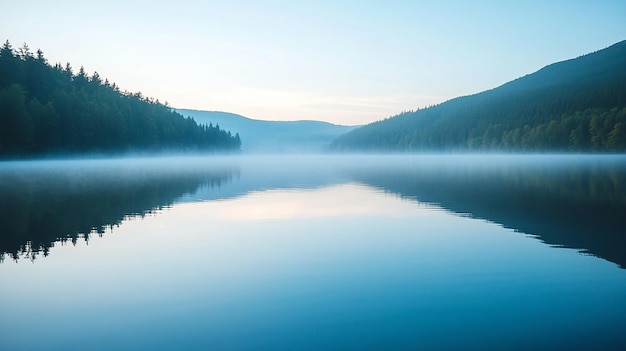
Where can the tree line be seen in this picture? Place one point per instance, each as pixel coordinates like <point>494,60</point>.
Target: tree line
<point>48,110</point>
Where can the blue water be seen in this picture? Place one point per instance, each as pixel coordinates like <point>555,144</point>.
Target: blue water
<point>322,253</point>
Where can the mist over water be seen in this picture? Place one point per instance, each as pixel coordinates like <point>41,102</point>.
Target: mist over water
<point>63,200</point>
<point>314,252</point>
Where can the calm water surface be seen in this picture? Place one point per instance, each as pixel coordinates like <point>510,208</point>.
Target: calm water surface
<point>314,253</point>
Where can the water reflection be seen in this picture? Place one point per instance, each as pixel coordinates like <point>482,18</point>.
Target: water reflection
<point>346,265</point>
<point>568,201</point>
<point>576,202</point>
<point>47,202</point>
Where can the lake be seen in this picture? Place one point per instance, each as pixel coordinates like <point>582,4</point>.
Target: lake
<point>313,252</point>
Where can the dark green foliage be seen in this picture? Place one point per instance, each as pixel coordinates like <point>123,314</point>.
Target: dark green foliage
<point>575,105</point>
<point>47,110</point>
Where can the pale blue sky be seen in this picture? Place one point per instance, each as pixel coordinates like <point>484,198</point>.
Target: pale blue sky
<point>346,62</point>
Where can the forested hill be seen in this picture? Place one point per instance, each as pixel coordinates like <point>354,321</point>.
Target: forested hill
<point>575,105</point>
<point>49,110</point>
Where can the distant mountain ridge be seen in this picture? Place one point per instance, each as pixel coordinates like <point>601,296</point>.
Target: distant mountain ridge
<point>272,136</point>
<point>573,105</point>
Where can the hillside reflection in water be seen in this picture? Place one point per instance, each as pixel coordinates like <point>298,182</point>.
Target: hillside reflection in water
<point>568,201</point>
<point>43,202</point>
<point>314,252</point>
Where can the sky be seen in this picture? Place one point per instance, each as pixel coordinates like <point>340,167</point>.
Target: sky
<point>344,62</point>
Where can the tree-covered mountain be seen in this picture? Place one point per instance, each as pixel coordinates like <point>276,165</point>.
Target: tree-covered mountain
<point>273,136</point>
<point>574,105</point>
<point>49,110</point>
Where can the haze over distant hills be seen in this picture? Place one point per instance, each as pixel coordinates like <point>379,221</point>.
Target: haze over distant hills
<point>272,136</point>
<point>575,105</point>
